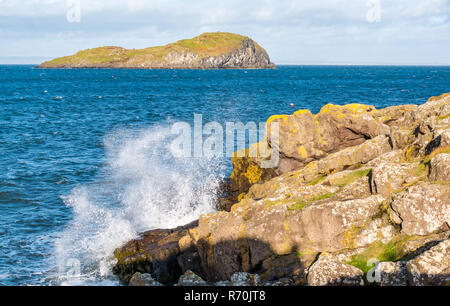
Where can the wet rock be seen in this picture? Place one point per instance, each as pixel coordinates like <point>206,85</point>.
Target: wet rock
<point>432,267</point>
<point>142,280</point>
<point>423,209</point>
<point>154,252</point>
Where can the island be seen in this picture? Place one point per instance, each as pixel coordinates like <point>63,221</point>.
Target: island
<point>218,50</point>
<point>361,196</point>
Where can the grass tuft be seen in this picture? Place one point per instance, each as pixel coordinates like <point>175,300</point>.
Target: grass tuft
<point>351,177</point>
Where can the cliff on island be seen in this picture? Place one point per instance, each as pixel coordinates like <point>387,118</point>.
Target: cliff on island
<point>361,196</point>
<point>207,51</point>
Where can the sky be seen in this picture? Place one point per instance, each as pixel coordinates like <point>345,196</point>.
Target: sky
<point>394,32</point>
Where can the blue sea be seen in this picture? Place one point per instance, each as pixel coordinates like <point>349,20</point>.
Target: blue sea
<point>85,163</point>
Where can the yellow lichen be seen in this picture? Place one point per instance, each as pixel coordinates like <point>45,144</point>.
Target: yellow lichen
<point>276,117</point>
<point>241,196</point>
<point>302,151</point>
<point>302,112</point>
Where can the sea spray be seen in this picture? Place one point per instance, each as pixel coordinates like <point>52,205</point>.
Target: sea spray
<point>141,186</point>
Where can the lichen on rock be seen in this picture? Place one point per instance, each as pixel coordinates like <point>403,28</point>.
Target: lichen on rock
<point>355,186</point>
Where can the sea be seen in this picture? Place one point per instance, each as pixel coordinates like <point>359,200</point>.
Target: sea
<point>86,162</point>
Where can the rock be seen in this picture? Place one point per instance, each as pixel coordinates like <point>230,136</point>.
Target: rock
<point>440,167</point>
<point>142,280</point>
<point>360,154</point>
<point>388,178</point>
<point>378,229</point>
<point>247,168</point>
<point>423,209</point>
<point>435,107</point>
<point>292,266</point>
<point>397,116</point>
<point>283,282</point>
<point>392,274</point>
<point>189,278</point>
<point>430,120</point>
<point>396,156</point>
<point>304,138</point>
<point>445,137</point>
<point>222,246</point>
<point>244,279</point>
<point>432,267</point>
<point>154,252</point>
<point>329,270</point>
<point>439,144</point>
<point>331,226</point>
<point>222,284</point>
<point>209,50</point>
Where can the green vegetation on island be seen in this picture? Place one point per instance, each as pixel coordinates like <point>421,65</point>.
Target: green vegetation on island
<point>207,51</point>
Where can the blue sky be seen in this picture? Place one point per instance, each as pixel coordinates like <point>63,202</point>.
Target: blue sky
<point>292,31</point>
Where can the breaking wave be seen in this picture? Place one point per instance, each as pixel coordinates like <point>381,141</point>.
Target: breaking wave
<point>142,185</point>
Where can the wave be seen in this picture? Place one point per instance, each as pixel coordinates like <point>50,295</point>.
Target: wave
<point>141,186</point>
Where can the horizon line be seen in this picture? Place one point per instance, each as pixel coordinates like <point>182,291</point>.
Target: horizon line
<point>298,64</point>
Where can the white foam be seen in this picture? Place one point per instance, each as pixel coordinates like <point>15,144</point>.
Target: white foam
<point>142,186</point>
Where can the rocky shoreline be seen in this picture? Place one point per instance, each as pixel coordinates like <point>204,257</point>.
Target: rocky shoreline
<point>360,197</point>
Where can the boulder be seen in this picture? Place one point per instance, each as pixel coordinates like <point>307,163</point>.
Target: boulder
<point>331,226</point>
<point>423,209</point>
<point>304,138</point>
<point>432,267</point>
<point>391,274</point>
<point>189,278</point>
<point>143,280</point>
<point>440,167</point>
<point>154,252</point>
<point>439,144</point>
<point>435,107</point>
<point>388,178</point>
<point>244,279</point>
<point>330,270</point>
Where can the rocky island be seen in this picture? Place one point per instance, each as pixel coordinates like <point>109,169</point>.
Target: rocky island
<point>361,196</point>
<point>207,51</point>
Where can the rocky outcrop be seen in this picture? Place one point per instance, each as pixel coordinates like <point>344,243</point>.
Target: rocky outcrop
<point>423,209</point>
<point>432,267</point>
<point>207,51</point>
<point>360,197</point>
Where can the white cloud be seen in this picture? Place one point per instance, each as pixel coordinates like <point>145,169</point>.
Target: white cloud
<point>303,30</point>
